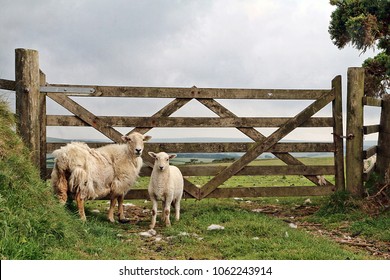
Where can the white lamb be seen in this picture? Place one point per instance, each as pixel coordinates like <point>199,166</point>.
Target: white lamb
<point>166,185</point>
<point>109,171</point>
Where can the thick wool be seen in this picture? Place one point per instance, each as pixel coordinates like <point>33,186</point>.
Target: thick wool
<point>109,171</point>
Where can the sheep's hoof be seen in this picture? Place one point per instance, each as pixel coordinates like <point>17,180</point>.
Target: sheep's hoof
<point>124,221</point>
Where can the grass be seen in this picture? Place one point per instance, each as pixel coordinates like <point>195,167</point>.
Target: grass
<point>340,208</point>
<point>247,235</point>
<point>34,226</point>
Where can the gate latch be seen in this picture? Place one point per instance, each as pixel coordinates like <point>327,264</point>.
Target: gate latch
<point>348,137</point>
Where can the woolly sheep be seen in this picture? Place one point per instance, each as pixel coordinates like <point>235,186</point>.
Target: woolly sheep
<point>166,185</point>
<point>109,171</point>
<point>368,164</point>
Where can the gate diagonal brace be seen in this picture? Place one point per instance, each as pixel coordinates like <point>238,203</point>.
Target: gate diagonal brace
<point>267,143</point>
<point>86,116</point>
<point>255,135</point>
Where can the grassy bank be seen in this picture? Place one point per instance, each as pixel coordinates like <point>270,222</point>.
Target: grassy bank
<point>32,224</point>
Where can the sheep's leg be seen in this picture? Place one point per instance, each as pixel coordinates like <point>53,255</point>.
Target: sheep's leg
<point>80,206</point>
<point>162,214</point>
<point>177,209</point>
<point>62,191</point>
<point>154,213</point>
<point>60,185</point>
<point>166,213</point>
<point>120,209</point>
<point>111,210</point>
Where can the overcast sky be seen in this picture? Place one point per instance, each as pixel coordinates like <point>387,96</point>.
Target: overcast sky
<point>220,43</point>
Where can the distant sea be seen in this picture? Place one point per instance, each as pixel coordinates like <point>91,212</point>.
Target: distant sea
<point>366,145</point>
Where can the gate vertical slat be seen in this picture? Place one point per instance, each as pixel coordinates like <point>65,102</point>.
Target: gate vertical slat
<point>383,161</point>
<point>337,112</point>
<point>42,132</point>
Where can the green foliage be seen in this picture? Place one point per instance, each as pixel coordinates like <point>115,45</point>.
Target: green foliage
<point>371,186</point>
<point>365,24</point>
<point>360,22</point>
<point>339,202</point>
<point>377,227</point>
<point>377,72</point>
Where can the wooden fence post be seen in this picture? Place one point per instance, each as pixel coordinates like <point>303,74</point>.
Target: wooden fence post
<point>27,99</point>
<point>354,153</point>
<point>383,158</point>
<point>337,133</point>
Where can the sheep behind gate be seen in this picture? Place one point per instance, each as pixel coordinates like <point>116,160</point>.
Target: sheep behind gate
<point>109,171</point>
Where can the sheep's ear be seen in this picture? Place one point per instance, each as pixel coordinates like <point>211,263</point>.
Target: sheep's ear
<point>125,138</point>
<point>153,155</point>
<point>172,156</point>
<point>147,138</point>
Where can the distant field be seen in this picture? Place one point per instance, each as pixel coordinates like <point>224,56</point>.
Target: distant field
<point>259,162</point>
<point>252,181</point>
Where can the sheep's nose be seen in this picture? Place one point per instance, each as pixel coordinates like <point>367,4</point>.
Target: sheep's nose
<point>161,167</point>
<point>138,151</point>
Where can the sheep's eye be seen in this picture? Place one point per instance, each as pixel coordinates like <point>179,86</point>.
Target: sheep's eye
<point>167,159</point>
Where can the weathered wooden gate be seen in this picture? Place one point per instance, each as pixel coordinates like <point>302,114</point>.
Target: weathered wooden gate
<point>61,94</point>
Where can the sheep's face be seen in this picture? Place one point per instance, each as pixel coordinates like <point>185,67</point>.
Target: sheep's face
<point>135,141</point>
<point>161,160</point>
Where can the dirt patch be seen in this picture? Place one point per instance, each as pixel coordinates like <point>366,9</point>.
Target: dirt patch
<point>136,214</point>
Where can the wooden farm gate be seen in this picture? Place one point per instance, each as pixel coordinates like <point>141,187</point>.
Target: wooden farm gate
<point>32,90</point>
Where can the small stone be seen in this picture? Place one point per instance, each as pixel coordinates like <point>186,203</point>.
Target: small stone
<point>148,233</point>
<point>215,227</point>
<point>128,205</point>
<point>145,234</point>
<point>307,201</point>
<point>292,225</point>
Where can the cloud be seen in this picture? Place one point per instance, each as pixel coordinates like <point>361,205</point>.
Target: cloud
<point>219,43</point>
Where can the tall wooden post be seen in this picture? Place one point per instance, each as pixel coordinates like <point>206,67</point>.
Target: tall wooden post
<point>27,90</point>
<point>354,153</point>
<point>383,157</point>
<point>337,133</point>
